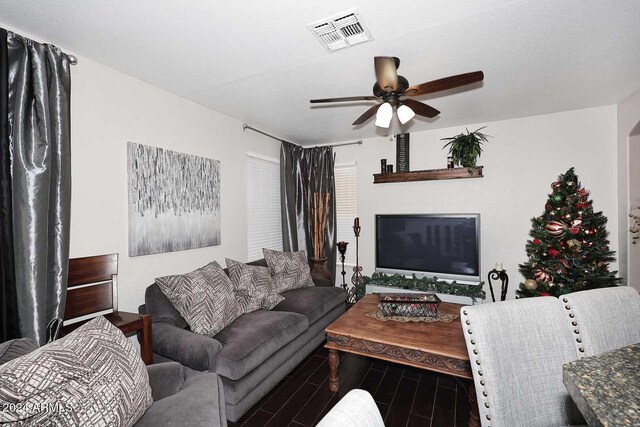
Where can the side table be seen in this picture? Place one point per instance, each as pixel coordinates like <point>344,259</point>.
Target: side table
<point>128,323</point>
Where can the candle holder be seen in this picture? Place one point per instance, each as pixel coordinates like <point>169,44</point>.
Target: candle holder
<point>342,248</point>
<point>504,283</point>
<point>357,291</point>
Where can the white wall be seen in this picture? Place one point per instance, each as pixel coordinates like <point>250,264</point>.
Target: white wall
<point>628,117</point>
<point>108,109</point>
<point>633,270</point>
<point>520,162</point>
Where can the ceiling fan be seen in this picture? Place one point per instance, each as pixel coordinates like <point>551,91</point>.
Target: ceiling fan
<point>391,87</point>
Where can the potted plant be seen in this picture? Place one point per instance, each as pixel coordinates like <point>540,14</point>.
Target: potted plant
<point>465,148</point>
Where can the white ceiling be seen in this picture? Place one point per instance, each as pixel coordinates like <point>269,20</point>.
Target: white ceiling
<point>257,62</point>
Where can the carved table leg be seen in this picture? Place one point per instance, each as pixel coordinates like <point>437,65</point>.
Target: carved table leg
<point>474,417</point>
<point>334,361</point>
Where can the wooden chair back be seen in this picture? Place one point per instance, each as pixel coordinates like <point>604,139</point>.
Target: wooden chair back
<point>92,288</point>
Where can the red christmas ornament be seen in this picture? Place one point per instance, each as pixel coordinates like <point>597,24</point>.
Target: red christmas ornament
<point>536,241</point>
<point>545,294</point>
<point>553,252</point>
<point>542,276</point>
<point>556,228</point>
<point>576,225</point>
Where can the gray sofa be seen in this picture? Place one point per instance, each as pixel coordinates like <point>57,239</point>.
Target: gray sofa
<point>181,396</point>
<point>257,350</point>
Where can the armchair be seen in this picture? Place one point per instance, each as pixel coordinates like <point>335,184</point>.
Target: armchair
<point>356,409</point>
<point>517,349</point>
<point>603,319</point>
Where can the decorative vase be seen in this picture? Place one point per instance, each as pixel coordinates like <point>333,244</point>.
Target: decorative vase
<point>318,269</point>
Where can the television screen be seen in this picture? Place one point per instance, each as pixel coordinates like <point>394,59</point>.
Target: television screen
<point>446,246</point>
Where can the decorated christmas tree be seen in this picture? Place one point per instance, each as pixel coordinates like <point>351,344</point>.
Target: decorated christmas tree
<point>568,250</point>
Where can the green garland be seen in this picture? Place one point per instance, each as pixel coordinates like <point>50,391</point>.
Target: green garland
<point>428,284</point>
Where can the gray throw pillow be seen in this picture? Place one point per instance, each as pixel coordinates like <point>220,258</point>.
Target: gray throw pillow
<point>92,377</point>
<point>204,298</point>
<point>290,270</point>
<point>253,286</point>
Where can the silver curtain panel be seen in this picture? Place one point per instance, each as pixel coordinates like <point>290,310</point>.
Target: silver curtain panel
<point>39,123</point>
<point>304,171</point>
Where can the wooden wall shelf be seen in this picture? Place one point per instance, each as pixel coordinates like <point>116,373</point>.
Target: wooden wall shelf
<point>428,175</point>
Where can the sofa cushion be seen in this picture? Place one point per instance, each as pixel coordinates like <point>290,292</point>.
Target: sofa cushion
<point>93,376</point>
<point>312,302</point>
<point>9,350</point>
<point>160,308</point>
<point>290,270</point>
<point>253,337</point>
<point>203,297</point>
<point>253,286</point>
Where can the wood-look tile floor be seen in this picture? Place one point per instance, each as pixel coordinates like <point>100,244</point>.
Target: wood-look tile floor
<point>406,397</point>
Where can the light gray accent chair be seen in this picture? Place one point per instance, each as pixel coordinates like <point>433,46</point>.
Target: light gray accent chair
<point>517,349</point>
<point>356,409</point>
<point>604,319</point>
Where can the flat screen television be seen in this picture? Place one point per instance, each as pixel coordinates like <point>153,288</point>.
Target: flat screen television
<point>442,245</point>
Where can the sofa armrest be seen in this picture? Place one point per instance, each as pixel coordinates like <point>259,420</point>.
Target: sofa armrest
<point>13,349</point>
<point>198,402</point>
<point>190,349</point>
<point>165,379</point>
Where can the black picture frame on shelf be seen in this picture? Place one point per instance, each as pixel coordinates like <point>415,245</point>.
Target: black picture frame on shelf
<point>402,152</point>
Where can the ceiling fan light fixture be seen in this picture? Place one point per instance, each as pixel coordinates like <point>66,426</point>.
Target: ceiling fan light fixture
<point>405,114</point>
<point>384,115</point>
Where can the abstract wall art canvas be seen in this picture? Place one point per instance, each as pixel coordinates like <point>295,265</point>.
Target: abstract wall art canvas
<point>174,200</point>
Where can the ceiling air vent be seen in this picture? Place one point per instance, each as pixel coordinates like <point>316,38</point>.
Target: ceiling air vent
<point>340,31</point>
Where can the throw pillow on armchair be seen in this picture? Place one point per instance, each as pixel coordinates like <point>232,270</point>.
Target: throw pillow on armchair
<point>93,376</point>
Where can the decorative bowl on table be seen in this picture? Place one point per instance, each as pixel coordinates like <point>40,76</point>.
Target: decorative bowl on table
<point>409,304</point>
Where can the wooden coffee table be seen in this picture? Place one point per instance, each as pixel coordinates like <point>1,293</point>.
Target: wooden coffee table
<point>437,346</point>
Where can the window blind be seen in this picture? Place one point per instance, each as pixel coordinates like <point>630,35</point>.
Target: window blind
<point>264,228</point>
<point>346,208</point>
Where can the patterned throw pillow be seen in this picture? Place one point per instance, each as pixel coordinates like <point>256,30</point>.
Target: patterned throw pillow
<point>253,286</point>
<point>92,377</point>
<point>203,297</point>
<point>290,270</point>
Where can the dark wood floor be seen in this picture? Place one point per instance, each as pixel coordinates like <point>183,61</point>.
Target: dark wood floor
<point>406,397</point>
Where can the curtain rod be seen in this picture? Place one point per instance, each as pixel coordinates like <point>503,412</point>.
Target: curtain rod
<point>246,126</point>
<point>339,144</point>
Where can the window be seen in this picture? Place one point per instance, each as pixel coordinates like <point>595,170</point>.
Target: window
<point>264,228</point>
<point>346,208</point>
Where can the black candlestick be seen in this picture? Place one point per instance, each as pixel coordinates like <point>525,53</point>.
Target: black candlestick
<point>342,248</point>
<point>356,279</point>
<point>504,279</point>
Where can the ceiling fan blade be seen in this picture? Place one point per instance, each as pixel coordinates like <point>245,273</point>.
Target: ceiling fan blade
<point>386,72</point>
<point>367,115</point>
<point>421,109</point>
<point>344,99</point>
<point>445,83</point>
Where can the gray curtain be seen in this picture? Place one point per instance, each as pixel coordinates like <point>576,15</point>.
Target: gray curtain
<point>39,86</point>
<point>304,171</point>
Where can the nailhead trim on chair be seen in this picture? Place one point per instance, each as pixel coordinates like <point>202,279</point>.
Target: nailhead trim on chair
<point>474,350</point>
<point>574,324</point>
